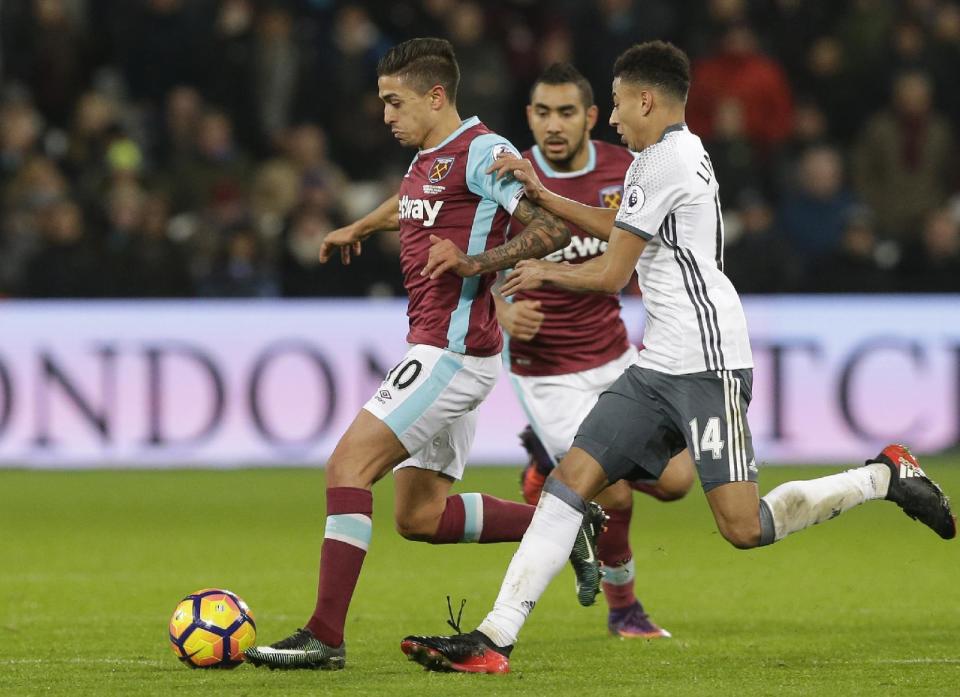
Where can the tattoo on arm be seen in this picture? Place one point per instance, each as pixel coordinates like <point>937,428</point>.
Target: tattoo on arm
<point>544,233</point>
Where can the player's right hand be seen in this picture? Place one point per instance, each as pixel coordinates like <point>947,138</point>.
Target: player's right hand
<point>521,319</point>
<point>445,256</point>
<point>346,239</point>
<point>521,170</point>
<point>528,274</point>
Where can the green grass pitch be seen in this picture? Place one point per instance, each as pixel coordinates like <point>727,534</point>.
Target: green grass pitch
<point>92,564</point>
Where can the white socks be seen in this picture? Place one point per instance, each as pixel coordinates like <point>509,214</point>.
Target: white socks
<point>543,551</point>
<point>800,504</point>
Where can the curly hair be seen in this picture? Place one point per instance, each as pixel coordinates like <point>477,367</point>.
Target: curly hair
<point>656,63</point>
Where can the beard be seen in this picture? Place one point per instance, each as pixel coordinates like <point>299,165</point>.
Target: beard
<point>564,163</point>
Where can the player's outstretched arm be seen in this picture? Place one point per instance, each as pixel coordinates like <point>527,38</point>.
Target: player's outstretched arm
<point>544,233</point>
<point>607,273</point>
<point>348,239</point>
<point>593,220</point>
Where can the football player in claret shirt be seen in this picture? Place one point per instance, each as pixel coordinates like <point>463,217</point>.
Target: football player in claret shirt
<point>564,349</point>
<point>692,380</point>
<point>452,217</point>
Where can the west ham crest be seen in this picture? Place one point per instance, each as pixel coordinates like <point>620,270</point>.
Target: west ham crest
<point>440,168</point>
<point>611,196</point>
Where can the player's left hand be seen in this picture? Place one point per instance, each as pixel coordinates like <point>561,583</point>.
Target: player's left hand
<point>529,274</point>
<point>446,256</point>
<point>521,170</point>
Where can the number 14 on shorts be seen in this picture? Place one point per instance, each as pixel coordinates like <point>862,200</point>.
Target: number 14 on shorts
<point>709,440</point>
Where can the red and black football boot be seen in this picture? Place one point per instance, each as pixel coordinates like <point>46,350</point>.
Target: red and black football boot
<point>460,653</point>
<point>915,493</point>
<point>531,483</point>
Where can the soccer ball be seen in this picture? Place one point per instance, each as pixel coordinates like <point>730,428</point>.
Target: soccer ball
<point>211,628</point>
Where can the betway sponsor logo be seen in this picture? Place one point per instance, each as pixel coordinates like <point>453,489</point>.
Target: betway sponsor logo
<point>420,209</point>
<point>579,248</point>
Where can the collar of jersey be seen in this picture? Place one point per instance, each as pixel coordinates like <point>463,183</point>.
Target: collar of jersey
<point>464,125</point>
<point>671,128</point>
<point>544,164</point>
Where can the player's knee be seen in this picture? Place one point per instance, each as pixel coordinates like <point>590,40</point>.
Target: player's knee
<point>675,486</point>
<point>742,534</point>
<point>617,496</point>
<point>417,527</point>
<point>338,473</point>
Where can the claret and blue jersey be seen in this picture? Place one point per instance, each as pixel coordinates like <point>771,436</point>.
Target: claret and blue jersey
<point>581,331</point>
<point>447,193</point>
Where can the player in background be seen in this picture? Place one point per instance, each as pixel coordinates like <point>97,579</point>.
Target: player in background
<point>421,419</point>
<point>559,361</point>
<point>692,380</point>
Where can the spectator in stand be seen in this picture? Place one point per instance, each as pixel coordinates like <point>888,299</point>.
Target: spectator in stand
<point>301,275</point>
<point>834,86</point>
<point>738,70</point>
<point>733,157</point>
<point>863,33</point>
<point>908,47</point>
<point>904,161</point>
<point>704,21</point>
<point>68,264</point>
<point>178,133</point>
<point>856,266</point>
<point>20,129</point>
<point>810,128</point>
<point>37,184</point>
<point>323,182</point>
<point>812,216</point>
<point>273,199</point>
<point>790,27</point>
<point>217,165</point>
<point>50,56</point>
<point>758,258</point>
<point>556,46</point>
<point>371,273</point>
<point>944,59</point>
<point>485,84</point>
<point>360,142</point>
<point>123,214</point>
<point>932,263</point>
<point>150,264</point>
<point>228,67</point>
<point>94,122</point>
<point>282,74</point>
<point>241,271</point>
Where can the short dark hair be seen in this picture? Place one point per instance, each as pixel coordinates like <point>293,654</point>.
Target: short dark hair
<point>424,63</point>
<point>656,63</point>
<point>562,74</point>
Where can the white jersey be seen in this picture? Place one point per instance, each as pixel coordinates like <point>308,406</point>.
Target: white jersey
<point>695,322</point>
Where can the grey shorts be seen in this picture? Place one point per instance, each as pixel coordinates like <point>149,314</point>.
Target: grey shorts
<point>646,417</point>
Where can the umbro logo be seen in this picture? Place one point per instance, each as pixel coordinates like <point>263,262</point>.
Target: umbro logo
<point>386,394</point>
<point>528,605</point>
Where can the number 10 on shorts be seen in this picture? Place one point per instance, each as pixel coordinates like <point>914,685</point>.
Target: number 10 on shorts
<point>708,440</point>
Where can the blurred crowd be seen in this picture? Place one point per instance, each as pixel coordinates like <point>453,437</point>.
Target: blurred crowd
<point>165,148</point>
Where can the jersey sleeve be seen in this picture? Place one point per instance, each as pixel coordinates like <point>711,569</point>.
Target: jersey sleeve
<point>484,150</point>
<point>650,193</point>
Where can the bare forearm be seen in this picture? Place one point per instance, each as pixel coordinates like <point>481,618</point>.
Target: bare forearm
<point>590,277</point>
<point>544,233</point>
<point>386,216</point>
<point>591,219</point>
